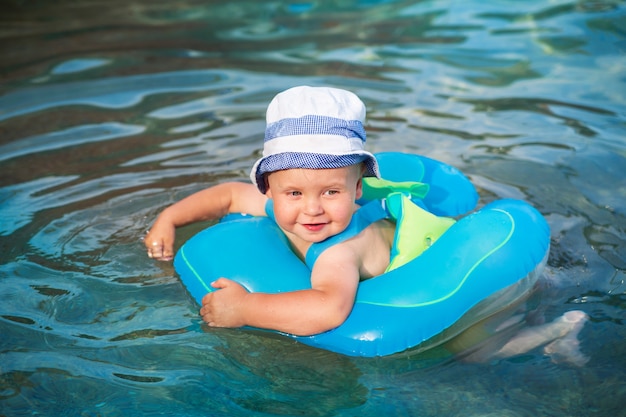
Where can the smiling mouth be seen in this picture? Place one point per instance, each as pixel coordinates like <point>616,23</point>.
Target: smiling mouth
<point>314,227</point>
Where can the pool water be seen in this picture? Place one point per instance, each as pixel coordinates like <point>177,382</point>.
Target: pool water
<point>110,111</point>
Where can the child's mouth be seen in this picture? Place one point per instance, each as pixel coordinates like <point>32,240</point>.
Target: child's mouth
<point>314,227</point>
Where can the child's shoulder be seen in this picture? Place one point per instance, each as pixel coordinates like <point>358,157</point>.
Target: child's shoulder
<point>375,248</point>
<point>246,198</point>
<point>385,231</point>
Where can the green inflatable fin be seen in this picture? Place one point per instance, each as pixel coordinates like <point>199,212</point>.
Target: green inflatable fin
<point>416,229</point>
<point>378,188</point>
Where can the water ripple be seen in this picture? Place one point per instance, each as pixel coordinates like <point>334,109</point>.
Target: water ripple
<point>110,93</point>
<point>77,135</point>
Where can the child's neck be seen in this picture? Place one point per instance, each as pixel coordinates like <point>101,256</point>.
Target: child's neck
<point>299,247</point>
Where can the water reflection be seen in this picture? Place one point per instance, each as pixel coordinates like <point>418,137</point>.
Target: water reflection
<point>305,381</point>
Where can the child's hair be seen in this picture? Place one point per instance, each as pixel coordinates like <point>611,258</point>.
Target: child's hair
<point>313,128</point>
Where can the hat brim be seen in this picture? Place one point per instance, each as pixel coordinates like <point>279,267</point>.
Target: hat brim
<point>310,160</point>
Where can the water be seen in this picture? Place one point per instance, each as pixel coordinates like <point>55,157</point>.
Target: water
<point>110,111</point>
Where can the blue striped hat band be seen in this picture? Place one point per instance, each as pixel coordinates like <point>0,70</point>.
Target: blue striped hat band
<point>315,125</point>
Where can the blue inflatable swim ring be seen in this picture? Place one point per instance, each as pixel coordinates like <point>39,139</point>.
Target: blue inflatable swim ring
<point>482,263</point>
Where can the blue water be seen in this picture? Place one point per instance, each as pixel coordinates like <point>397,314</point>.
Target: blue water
<point>110,111</point>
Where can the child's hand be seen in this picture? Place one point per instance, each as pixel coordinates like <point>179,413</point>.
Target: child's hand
<point>223,308</point>
<point>160,241</point>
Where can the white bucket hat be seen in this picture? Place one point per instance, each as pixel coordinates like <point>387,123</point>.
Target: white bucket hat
<point>313,128</point>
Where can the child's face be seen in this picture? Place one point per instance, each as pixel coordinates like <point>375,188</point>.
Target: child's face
<point>314,204</point>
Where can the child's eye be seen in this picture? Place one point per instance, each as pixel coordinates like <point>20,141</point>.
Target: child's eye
<point>294,193</point>
<point>332,192</point>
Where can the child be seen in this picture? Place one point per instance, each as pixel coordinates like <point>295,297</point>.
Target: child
<point>308,181</point>
<point>311,170</point>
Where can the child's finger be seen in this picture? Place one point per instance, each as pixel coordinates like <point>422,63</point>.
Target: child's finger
<point>220,283</point>
<point>155,250</point>
<point>167,254</point>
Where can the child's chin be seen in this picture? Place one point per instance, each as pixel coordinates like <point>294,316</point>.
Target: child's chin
<point>315,237</point>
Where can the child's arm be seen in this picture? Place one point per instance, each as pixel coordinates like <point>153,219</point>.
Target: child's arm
<point>326,305</point>
<point>209,204</point>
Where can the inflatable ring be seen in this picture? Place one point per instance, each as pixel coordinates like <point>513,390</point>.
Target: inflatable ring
<point>478,266</point>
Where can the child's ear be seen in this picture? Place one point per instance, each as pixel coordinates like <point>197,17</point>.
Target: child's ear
<point>359,189</point>
<point>359,184</point>
<point>267,186</point>
<point>268,190</point>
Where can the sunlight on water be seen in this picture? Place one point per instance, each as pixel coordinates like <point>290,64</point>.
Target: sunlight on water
<point>109,113</point>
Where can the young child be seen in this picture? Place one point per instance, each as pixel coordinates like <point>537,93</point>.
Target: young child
<point>311,170</point>
<point>308,180</point>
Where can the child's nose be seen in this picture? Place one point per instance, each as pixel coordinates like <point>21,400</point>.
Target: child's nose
<point>312,206</point>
